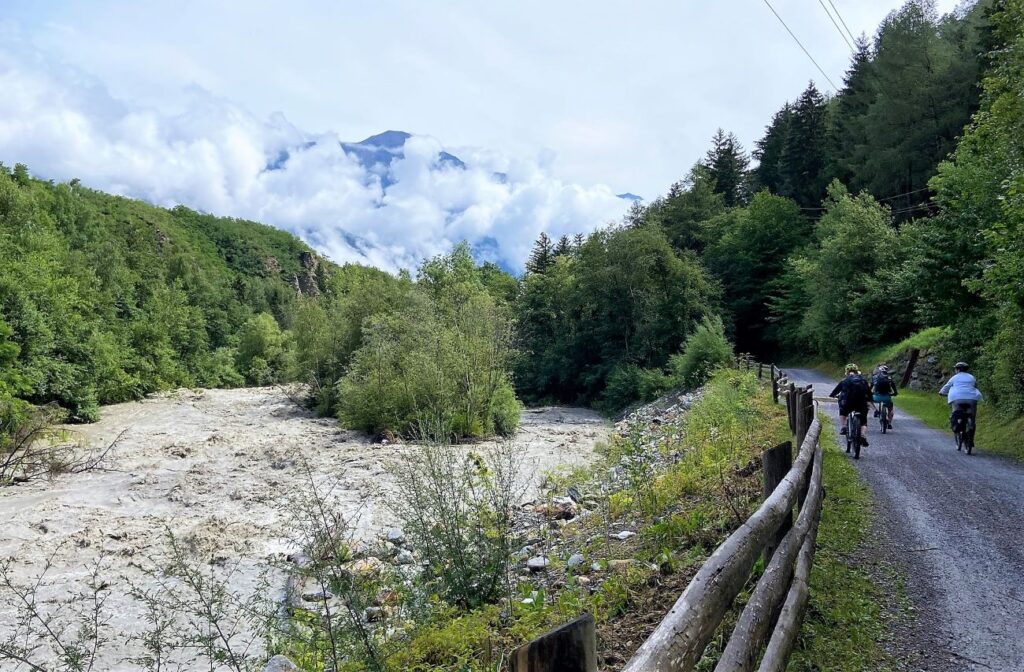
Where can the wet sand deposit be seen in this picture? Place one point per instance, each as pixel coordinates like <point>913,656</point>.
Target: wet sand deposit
<point>214,467</point>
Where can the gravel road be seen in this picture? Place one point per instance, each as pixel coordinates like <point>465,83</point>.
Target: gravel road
<point>956,526</point>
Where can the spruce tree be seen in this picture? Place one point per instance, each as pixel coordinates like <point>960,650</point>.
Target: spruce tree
<point>849,132</point>
<point>804,161</point>
<point>727,163</point>
<point>542,255</point>
<point>768,174</point>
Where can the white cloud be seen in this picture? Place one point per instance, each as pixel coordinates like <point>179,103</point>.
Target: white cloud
<point>211,154</point>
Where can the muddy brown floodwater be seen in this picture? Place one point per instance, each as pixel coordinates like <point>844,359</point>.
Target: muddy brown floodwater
<point>214,467</point>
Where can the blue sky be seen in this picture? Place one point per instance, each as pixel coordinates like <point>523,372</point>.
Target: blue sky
<point>577,101</point>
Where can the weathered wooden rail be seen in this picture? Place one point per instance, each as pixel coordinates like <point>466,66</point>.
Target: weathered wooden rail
<point>766,630</point>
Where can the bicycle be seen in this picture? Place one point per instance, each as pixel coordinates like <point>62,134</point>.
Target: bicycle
<point>883,414</point>
<point>964,424</point>
<point>853,438</point>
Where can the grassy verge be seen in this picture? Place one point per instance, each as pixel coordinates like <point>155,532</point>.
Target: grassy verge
<point>867,359</point>
<point>683,483</point>
<point>844,626</point>
<point>995,434</point>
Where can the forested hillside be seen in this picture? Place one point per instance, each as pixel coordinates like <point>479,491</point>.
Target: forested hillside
<point>860,218</point>
<point>104,299</point>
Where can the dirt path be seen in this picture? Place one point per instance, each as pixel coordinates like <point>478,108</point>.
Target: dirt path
<point>956,525</point>
<point>217,468</point>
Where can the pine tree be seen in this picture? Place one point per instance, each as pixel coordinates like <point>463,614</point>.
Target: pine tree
<point>768,174</point>
<point>804,161</point>
<point>925,70</point>
<point>849,133</point>
<point>542,255</point>
<point>564,247</point>
<point>727,163</point>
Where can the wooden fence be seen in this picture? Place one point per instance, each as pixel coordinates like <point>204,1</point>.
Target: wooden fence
<point>767,628</point>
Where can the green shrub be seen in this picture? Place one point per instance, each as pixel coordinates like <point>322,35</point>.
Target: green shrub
<point>262,356</point>
<point>438,367</point>
<point>458,509</point>
<point>506,411</point>
<point>705,350</point>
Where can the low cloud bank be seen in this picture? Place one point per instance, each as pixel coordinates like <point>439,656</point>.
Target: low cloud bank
<point>214,156</point>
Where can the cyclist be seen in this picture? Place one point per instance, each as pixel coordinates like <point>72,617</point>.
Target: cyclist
<point>962,393</point>
<point>883,390</point>
<point>853,393</point>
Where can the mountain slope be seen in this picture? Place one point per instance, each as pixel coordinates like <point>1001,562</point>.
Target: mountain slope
<point>104,299</point>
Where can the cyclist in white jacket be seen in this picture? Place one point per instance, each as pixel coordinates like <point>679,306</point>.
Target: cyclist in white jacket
<point>962,391</point>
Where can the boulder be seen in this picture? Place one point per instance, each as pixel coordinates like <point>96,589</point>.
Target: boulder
<point>395,536</point>
<point>366,566</point>
<point>280,664</point>
<point>538,563</point>
<point>575,560</point>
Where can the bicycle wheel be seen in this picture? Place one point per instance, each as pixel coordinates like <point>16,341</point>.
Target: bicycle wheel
<point>885,420</point>
<point>855,432</point>
<point>969,436</point>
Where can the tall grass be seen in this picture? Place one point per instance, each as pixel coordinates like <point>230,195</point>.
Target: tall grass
<point>844,625</point>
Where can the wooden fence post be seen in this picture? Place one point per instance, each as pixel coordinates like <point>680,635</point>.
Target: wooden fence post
<point>775,384</point>
<point>776,463</point>
<point>791,406</point>
<point>760,371</point>
<point>914,354</point>
<point>570,648</point>
<point>804,412</point>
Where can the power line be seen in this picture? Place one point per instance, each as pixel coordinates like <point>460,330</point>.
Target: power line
<point>884,198</point>
<point>797,40</point>
<point>836,24</point>
<point>848,31</point>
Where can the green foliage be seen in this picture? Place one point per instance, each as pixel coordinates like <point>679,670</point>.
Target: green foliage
<point>262,353</point>
<point>726,163</point>
<point>622,298</point>
<point>108,299</point>
<point>706,350</point>
<point>845,629</point>
<point>438,366</point>
<point>748,254</point>
<point>844,279</point>
<point>684,212</point>
<point>458,507</point>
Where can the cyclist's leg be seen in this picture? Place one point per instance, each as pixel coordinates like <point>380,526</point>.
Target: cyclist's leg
<point>862,414</point>
<point>843,414</point>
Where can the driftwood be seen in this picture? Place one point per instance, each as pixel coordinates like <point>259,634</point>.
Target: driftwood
<point>741,652</point>
<point>680,639</point>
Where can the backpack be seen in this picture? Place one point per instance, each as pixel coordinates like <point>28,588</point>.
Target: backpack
<point>856,390</point>
<point>883,385</point>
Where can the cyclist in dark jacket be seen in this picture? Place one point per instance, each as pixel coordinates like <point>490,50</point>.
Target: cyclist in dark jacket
<point>853,393</point>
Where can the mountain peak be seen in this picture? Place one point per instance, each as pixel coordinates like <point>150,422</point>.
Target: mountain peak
<point>388,139</point>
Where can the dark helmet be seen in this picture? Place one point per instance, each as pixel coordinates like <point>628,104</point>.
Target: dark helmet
<point>961,366</point>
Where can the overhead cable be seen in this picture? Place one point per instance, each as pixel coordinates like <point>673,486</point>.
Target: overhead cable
<point>800,44</point>
<point>836,24</point>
